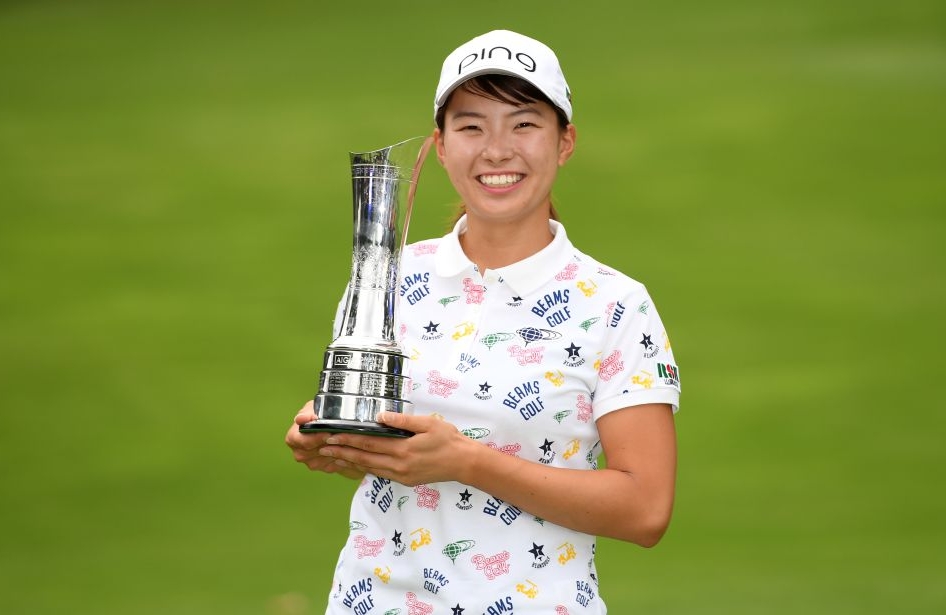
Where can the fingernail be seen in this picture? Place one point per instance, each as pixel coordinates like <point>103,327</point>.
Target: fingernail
<point>331,440</point>
<point>325,452</point>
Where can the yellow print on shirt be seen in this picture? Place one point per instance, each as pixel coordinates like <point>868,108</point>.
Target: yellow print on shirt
<point>573,447</point>
<point>557,378</point>
<point>530,591</point>
<point>589,288</point>
<point>423,538</point>
<point>463,329</point>
<point>384,575</point>
<point>646,381</point>
<point>568,554</point>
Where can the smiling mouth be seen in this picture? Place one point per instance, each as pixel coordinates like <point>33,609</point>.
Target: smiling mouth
<point>500,181</point>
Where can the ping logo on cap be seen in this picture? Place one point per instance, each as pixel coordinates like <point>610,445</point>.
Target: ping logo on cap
<point>526,62</point>
<point>504,52</point>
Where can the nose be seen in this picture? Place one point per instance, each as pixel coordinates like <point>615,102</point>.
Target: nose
<point>498,148</point>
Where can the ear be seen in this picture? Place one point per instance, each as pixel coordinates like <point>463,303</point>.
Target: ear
<point>438,142</point>
<point>566,144</point>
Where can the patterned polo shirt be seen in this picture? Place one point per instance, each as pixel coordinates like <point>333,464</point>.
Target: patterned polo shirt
<point>523,359</point>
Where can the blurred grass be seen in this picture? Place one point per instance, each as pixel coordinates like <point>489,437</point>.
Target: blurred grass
<point>174,200</point>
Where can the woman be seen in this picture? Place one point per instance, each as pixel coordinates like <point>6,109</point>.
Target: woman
<point>529,359</point>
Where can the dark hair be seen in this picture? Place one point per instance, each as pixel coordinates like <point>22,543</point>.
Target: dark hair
<point>506,89</point>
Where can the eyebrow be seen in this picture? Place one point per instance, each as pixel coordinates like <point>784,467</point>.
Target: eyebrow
<point>523,110</point>
<point>459,115</point>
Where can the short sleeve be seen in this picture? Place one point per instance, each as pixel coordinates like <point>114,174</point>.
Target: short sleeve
<point>637,366</point>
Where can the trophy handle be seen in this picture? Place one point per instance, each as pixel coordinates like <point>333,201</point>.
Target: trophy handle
<point>415,175</point>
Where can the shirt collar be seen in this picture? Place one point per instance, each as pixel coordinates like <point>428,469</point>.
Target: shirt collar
<point>524,276</point>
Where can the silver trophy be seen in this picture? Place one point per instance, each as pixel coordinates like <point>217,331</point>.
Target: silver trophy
<point>364,368</point>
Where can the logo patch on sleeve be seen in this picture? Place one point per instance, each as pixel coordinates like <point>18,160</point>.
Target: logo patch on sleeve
<point>669,374</point>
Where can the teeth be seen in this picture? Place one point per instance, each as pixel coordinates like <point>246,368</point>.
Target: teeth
<point>501,180</point>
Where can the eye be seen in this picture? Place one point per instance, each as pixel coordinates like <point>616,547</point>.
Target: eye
<point>525,125</point>
<point>469,127</point>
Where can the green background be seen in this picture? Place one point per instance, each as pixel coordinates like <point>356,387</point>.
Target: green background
<point>175,231</point>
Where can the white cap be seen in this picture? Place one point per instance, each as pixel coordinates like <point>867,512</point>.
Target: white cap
<point>505,53</point>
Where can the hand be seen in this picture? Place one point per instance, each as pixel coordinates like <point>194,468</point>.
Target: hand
<point>436,452</point>
<point>305,448</point>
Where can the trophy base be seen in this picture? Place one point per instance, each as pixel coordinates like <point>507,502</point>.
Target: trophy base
<point>359,427</point>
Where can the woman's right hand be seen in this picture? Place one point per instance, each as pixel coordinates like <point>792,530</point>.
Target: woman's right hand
<point>305,448</point>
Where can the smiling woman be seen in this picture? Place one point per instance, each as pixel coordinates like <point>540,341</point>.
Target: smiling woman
<point>495,502</point>
<point>514,91</point>
<point>503,159</point>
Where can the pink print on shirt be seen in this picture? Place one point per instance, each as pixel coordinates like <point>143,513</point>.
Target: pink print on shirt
<point>509,449</point>
<point>525,356</point>
<point>492,566</point>
<point>570,272</point>
<point>584,408</point>
<point>416,607</point>
<point>474,292</point>
<point>427,497</point>
<point>419,249</point>
<point>368,548</point>
<point>440,386</point>
<point>611,366</point>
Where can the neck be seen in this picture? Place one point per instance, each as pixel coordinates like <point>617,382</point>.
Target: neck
<point>492,246</point>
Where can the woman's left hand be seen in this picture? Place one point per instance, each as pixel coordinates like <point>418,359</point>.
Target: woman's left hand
<point>433,454</point>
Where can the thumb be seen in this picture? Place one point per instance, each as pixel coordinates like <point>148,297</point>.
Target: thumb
<point>391,419</point>
<point>399,420</point>
<point>302,418</point>
<point>416,423</point>
<point>306,414</point>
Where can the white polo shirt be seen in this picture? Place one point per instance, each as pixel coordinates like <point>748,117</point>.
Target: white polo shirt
<point>524,359</point>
